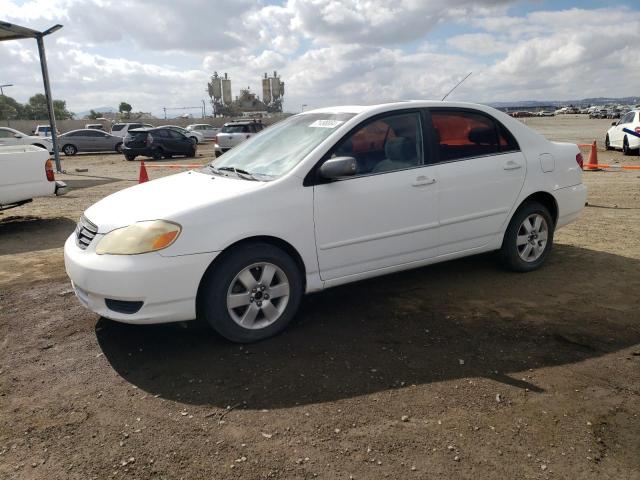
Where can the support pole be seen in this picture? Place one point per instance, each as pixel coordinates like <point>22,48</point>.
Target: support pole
<point>47,93</point>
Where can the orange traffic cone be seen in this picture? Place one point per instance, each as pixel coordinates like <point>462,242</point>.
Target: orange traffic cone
<point>593,158</point>
<point>143,173</point>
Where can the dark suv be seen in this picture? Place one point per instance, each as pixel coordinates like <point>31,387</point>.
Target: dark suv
<point>157,143</point>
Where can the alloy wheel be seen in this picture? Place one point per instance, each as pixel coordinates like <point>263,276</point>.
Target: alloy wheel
<point>531,240</point>
<point>258,295</point>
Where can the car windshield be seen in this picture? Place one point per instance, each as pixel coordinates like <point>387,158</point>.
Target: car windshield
<point>279,148</point>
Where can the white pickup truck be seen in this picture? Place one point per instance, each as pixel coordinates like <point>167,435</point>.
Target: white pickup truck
<point>26,172</point>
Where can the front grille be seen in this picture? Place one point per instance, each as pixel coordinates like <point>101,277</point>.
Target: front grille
<point>85,232</point>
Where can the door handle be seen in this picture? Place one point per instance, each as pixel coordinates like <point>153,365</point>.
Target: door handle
<point>511,165</point>
<point>422,180</point>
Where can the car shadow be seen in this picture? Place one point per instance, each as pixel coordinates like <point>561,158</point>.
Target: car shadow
<point>459,319</point>
<point>17,233</point>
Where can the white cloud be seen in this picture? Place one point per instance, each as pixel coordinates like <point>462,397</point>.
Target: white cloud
<point>161,53</point>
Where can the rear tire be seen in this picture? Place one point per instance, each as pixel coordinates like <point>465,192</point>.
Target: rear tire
<point>119,147</point>
<point>528,239</point>
<point>130,157</point>
<point>192,153</point>
<point>194,140</point>
<point>157,154</point>
<point>262,281</point>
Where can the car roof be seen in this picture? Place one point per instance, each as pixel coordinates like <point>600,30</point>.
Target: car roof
<point>357,109</point>
<point>242,122</point>
<point>84,130</point>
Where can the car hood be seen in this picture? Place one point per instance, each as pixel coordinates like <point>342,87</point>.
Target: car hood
<point>167,198</point>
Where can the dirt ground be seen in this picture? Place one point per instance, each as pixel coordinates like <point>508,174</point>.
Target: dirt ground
<point>458,370</point>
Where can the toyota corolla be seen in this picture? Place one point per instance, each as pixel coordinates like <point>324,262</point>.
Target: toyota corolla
<point>324,198</point>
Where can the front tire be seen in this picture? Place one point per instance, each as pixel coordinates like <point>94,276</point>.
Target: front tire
<point>252,293</point>
<point>528,239</point>
<point>607,144</point>
<point>157,154</point>
<point>69,150</point>
<point>119,147</point>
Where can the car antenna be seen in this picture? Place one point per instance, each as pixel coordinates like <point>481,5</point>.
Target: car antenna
<point>457,85</point>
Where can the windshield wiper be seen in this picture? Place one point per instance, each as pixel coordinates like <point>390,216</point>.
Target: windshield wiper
<point>239,172</point>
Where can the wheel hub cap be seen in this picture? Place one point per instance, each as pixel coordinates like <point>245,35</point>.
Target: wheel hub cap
<point>258,295</point>
<point>531,240</point>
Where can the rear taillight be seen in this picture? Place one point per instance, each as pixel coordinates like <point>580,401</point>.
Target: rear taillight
<point>48,169</point>
<point>579,159</point>
<point>637,130</point>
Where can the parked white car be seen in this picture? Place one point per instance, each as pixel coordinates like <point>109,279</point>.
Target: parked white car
<point>11,136</point>
<point>625,134</point>
<point>121,129</point>
<point>207,131</point>
<point>234,133</point>
<point>324,198</point>
<point>27,172</point>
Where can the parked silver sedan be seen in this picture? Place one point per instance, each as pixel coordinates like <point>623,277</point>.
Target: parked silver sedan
<point>89,140</point>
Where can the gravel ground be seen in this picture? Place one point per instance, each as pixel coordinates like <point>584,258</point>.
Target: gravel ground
<point>458,370</point>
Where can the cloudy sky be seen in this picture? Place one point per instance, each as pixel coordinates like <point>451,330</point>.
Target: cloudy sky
<point>160,53</point>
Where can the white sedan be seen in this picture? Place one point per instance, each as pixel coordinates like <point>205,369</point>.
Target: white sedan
<point>324,198</point>
<point>207,131</point>
<point>10,136</point>
<point>625,133</point>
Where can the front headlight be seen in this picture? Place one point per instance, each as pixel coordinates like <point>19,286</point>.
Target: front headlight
<point>141,237</point>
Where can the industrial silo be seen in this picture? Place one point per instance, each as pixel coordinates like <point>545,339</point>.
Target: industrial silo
<point>215,87</point>
<point>266,90</point>
<point>226,90</point>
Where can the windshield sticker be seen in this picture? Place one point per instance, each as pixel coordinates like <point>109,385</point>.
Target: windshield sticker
<point>326,123</point>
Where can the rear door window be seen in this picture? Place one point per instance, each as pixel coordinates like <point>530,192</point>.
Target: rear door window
<point>463,134</point>
<point>117,127</point>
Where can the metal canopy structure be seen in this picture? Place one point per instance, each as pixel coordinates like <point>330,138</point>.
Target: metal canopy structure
<point>9,31</point>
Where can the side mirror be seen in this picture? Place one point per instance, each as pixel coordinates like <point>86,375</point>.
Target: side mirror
<point>17,135</point>
<point>338,167</point>
<point>614,123</point>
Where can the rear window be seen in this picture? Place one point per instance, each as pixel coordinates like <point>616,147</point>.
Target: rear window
<point>137,135</point>
<point>463,134</point>
<point>235,129</point>
<point>117,127</point>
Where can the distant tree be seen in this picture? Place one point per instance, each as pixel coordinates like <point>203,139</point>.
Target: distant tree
<point>93,115</point>
<point>37,106</point>
<point>60,110</point>
<point>9,108</point>
<point>125,109</point>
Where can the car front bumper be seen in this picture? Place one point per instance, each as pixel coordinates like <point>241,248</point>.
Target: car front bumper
<point>165,286</point>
